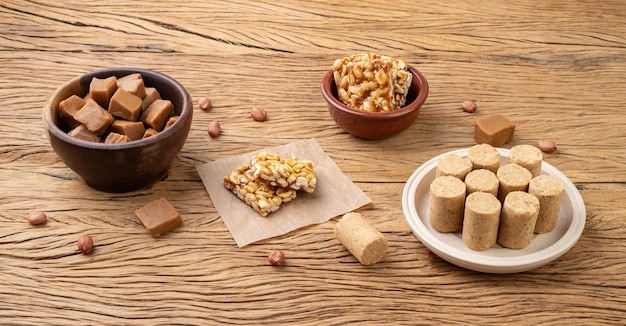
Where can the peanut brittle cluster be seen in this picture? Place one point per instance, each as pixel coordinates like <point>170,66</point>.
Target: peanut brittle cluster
<point>371,82</point>
<point>268,181</point>
<point>289,173</point>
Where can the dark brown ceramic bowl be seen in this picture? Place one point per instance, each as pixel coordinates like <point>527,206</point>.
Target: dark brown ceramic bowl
<point>376,125</point>
<point>127,166</point>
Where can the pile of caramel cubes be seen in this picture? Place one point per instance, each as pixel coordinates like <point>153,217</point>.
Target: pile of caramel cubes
<point>116,110</point>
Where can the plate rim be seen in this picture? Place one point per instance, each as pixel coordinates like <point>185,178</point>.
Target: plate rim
<point>481,263</point>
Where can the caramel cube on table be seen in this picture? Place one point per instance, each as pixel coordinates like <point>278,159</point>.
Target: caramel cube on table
<point>157,113</point>
<point>159,217</point>
<point>94,117</point>
<point>115,138</point>
<point>151,95</point>
<point>125,105</point>
<point>68,109</point>
<point>132,129</point>
<point>101,90</point>
<point>495,130</point>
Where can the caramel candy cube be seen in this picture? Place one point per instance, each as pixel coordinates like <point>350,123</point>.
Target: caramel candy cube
<point>157,113</point>
<point>125,105</point>
<point>94,117</point>
<point>132,129</point>
<point>151,95</point>
<point>133,86</point>
<point>128,77</point>
<point>149,133</point>
<point>495,130</point>
<point>115,138</point>
<point>101,90</point>
<point>171,121</point>
<point>68,109</point>
<point>81,132</point>
<point>159,217</point>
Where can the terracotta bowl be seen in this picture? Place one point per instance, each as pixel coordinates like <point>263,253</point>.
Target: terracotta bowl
<point>127,166</point>
<point>376,125</point>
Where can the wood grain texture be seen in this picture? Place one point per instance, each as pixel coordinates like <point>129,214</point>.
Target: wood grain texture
<point>556,68</point>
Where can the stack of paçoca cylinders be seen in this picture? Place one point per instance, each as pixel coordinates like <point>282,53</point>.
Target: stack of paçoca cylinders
<point>491,202</point>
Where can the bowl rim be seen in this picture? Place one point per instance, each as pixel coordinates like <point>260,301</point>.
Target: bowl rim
<point>328,82</point>
<point>52,128</point>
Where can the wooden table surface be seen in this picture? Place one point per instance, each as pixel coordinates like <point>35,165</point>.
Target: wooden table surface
<point>556,68</point>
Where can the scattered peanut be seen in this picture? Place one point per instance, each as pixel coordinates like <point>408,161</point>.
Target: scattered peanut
<point>547,146</point>
<point>204,103</point>
<point>85,244</point>
<point>36,218</point>
<point>276,258</point>
<point>258,114</point>
<point>214,128</point>
<point>468,106</point>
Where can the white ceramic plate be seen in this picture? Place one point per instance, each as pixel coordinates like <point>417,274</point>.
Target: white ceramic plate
<point>543,249</point>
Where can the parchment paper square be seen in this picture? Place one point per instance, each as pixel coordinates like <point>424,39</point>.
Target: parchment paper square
<point>335,194</point>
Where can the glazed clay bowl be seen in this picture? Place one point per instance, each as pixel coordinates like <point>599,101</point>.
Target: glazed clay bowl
<point>120,167</point>
<point>376,125</point>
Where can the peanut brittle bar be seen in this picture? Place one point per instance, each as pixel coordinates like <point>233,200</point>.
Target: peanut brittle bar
<point>287,173</point>
<point>261,196</point>
<point>372,82</point>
